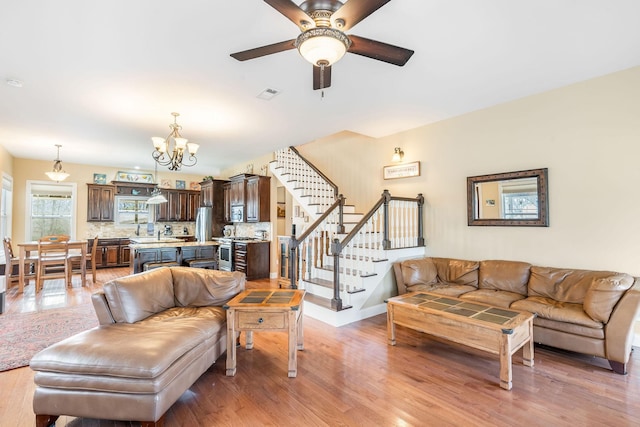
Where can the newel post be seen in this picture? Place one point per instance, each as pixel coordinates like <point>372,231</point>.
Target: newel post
<point>336,248</point>
<point>340,229</point>
<point>293,259</point>
<point>386,243</point>
<point>420,220</point>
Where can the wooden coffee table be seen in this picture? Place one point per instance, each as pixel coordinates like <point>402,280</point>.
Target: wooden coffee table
<point>265,310</point>
<point>492,329</point>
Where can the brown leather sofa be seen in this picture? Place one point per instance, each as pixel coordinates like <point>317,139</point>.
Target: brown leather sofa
<point>159,331</point>
<point>590,312</point>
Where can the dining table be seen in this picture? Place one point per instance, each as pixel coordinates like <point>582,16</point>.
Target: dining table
<point>27,248</point>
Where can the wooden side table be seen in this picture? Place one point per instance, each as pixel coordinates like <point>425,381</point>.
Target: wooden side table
<point>265,310</point>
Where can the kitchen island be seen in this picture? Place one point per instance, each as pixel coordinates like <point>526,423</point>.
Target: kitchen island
<point>160,251</point>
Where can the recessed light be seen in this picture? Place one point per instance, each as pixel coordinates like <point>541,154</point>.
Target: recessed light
<point>268,93</point>
<point>14,82</point>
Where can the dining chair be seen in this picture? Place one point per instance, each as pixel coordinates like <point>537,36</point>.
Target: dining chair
<point>75,259</point>
<point>12,263</point>
<point>53,254</point>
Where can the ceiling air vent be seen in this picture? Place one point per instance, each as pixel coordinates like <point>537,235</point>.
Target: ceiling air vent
<point>268,94</point>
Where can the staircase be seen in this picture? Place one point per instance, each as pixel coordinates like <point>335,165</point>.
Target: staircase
<point>343,259</point>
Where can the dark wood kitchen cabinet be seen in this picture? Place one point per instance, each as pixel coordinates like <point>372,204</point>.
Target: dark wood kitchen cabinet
<point>257,198</point>
<point>226,190</point>
<point>237,189</point>
<point>100,202</point>
<point>252,259</point>
<point>212,193</point>
<point>111,252</point>
<point>181,206</point>
<point>253,193</point>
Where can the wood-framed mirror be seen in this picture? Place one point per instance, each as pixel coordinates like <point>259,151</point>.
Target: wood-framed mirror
<point>509,199</point>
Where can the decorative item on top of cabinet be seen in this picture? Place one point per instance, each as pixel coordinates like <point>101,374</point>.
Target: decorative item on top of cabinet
<point>100,200</point>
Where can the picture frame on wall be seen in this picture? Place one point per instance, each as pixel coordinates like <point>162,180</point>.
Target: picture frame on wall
<point>404,170</point>
<point>99,178</point>
<point>134,177</point>
<point>180,184</point>
<point>165,183</point>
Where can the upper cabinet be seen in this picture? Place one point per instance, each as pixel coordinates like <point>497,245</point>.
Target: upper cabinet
<point>247,198</point>
<point>258,192</point>
<point>100,202</point>
<point>181,206</point>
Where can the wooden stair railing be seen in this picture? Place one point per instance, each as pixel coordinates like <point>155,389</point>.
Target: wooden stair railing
<point>393,223</point>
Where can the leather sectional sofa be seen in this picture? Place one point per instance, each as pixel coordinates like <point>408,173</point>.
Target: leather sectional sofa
<point>590,312</point>
<point>159,332</point>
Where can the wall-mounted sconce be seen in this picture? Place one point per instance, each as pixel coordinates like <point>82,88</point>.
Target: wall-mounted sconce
<point>398,154</point>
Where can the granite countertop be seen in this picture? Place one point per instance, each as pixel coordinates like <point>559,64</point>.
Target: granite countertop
<point>172,244</point>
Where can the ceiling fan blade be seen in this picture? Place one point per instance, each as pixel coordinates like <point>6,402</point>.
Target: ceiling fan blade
<point>381,51</point>
<point>293,12</point>
<point>354,11</point>
<point>263,50</point>
<point>321,77</point>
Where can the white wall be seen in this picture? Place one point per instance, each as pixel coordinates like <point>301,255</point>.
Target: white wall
<point>586,134</point>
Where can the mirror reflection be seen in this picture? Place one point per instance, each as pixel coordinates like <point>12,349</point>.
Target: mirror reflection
<point>512,198</point>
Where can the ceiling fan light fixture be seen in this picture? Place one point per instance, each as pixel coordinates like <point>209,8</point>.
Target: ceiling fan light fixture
<point>322,46</point>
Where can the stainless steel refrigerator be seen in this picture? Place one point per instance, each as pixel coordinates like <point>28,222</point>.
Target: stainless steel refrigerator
<point>204,224</point>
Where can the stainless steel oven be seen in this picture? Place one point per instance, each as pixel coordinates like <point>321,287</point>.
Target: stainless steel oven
<point>225,255</point>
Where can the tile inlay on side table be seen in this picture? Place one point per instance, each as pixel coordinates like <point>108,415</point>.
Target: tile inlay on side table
<point>265,310</point>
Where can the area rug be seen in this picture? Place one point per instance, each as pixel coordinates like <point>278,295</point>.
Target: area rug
<point>22,335</point>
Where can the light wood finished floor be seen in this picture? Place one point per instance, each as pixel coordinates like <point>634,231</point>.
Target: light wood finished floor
<point>349,376</point>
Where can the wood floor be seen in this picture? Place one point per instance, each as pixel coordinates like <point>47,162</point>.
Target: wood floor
<point>349,376</point>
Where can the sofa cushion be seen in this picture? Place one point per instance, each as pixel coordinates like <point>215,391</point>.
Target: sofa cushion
<point>421,271</point>
<point>150,350</point>
<point>510,276</point>
<point>210,320</point>
<point>603,294</point>
<point>199,288</point>
<point>493,297</point>
<point>448,289</point>
<point>561,284</point>
<point>136,297</point>
<point>557,310</point>
<point>569,328</point>
<point>457,271</point>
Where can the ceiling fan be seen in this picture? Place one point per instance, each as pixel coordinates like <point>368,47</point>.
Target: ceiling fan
<point>323,41</point>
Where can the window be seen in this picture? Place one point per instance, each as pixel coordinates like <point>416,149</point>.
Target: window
<point>131,210</point>
<point>51,209</point>
<point>6,207</point>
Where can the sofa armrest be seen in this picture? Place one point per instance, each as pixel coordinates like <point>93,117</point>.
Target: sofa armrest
<point>619,331</point>
<point>397,270</point>
<point>101,307</point>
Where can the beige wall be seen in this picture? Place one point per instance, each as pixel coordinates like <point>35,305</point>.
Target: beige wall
<point>25,169</point>
<point>586,134</point>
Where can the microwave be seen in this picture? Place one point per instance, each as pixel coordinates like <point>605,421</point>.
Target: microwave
<point>237,214</point>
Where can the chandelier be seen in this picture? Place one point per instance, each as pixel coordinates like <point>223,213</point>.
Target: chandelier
<point>170,151</point>
<point>58,174</point>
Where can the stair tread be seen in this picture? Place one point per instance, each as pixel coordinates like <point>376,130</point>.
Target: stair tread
<point>322,301</point>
